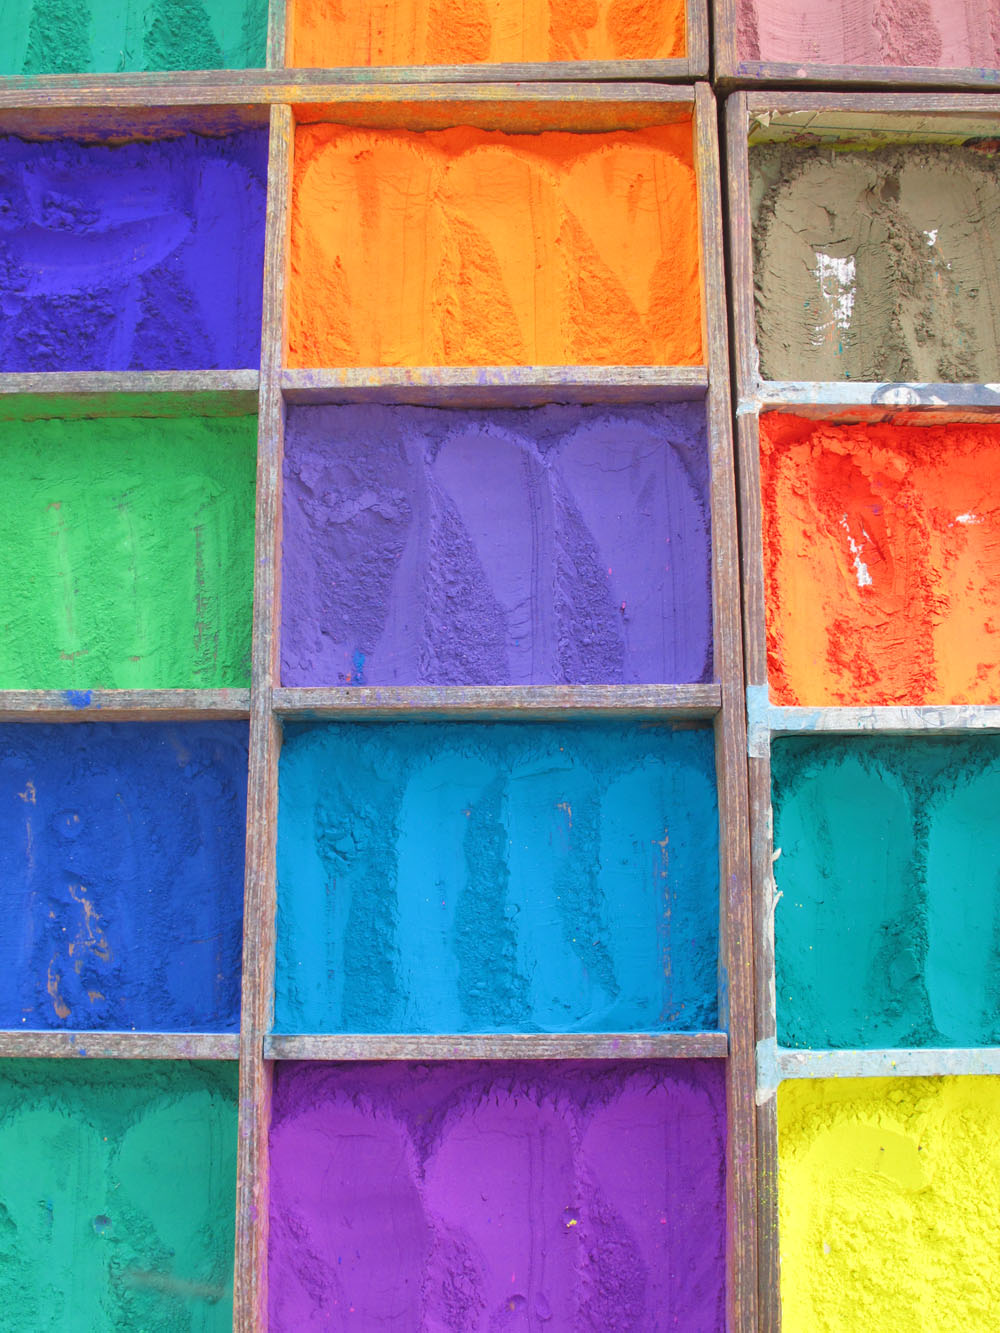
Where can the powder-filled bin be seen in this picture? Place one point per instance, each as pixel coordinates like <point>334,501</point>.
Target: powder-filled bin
<point>121,875</point>
<point>885,1221</point>
<point>118,1194</point>
<point>566,545</point>
<point>488,1196</point>
<point>133,256</point>
<point>126,552</point>
<point>496,877</point>
<point>887,864</point>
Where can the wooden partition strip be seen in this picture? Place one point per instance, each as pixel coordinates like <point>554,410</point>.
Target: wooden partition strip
<point>736,954</point>
<point>741,248</point>
<point>122,705</point>
<point>545,703</point>
<point>279,15</point>
<point>119,1045</point>
<point>499,1046</point>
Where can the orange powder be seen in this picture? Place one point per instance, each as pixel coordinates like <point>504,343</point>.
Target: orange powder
<point>467,247</point>
<point>882,562</point>
<point>329,33</point>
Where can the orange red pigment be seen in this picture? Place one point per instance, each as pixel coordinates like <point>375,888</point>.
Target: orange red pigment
<point>466,32</point>
<point>467,247</point>
<point>882,562</point>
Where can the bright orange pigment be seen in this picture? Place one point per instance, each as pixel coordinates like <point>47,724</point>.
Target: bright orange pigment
<point>466,32</point>
<point>882,562</point>
<point>467,247</point>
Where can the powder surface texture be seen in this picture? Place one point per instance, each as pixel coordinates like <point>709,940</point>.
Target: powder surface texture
<point>121,875</point>
<point>882,562</point>
<point>467,32</point>
<point>109,36</point>
<point>888,1216</point>
<point>117,1196</point>
<point>877,265</point>
<point>467,877</point>
<point>433,547</point>
<point>480,1198</point>
<point>943,34</point>
<point>476,248</point>
<point>143,256</point>
<point>887,930</point>
<point>126,553</point>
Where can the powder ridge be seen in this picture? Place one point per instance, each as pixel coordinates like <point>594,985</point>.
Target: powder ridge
<point>126,553</point>
<point>117,1195</point>
<point>496,877</point>
<point>876,265</point>
<point>476,1198</point>
<point>885,1221</point>
<point>563,544</point>
<point>121,873</point>
<point>494,249</point>
<point>142,256</point>
<point>108,36</point>
<point>882,562</point>
<point>463,32</point>
<point>886,932</point>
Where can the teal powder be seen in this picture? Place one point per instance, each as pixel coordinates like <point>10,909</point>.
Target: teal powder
<point>887,932</point>
<point>499,877</point>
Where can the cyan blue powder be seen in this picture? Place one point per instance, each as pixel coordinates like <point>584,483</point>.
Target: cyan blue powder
<point>496,877</point>
<point>121,875</point>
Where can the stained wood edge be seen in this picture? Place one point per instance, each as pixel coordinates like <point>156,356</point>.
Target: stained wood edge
<point>871,401</point>
<point>502,1046</point>
<point>740,232</point>
<point>697,40</point>
<point>548,703</point>
<point>279,27</point>
<point>939,1062</point>
<point>752,550</point>
<point>65,382</point>
<point>891,720</point>
<point>725,55</point>
<point>734,71</point>
<point>75,395</point>
<point>122,705</point>
<point>119,1045</point>
<point>790,101</point>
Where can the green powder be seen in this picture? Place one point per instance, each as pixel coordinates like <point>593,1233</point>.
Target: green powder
<point>117,1195</point>
<point>105,36</point>
<point>126,553</point>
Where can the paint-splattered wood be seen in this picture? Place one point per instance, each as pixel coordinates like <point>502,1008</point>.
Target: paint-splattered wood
<point>120,1045</point>
<point>516,1046</point>
<point>139,393</point>
<point>279,21</point>
<point>887,1063</point>
<point>543,703</point>
<point>497,386</point>
<point>122,705</point>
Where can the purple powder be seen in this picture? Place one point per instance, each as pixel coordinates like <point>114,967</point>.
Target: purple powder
<point>427,546</point>
<point>143,256</point>
<point>488,1198</point>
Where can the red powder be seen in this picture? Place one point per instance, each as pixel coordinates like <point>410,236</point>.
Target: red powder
<point>882,562</point>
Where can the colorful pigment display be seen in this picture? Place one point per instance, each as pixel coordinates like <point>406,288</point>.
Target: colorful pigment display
<point>464,877</point>
<point>109,36</point>
<point>494,249</point>
<point>435,547</point>
<point>875,265</point>
<point>117,1195</point>
<point>141,256</point>
<point>942,34</point>
<point>485,1197</point>
<point>121,866</point>
<point>882,562</point>
<point>886,931</point>
<point>467,32</point>
<point>885,1221</point>
<point>126,552</point>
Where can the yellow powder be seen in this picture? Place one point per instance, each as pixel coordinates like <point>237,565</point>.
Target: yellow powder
<point>888,1205</point>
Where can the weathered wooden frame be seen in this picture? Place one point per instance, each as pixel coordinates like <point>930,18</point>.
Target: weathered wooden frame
<point>148,108</point>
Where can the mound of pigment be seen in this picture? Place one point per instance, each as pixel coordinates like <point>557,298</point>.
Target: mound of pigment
<point>433,547</point>
<point>886,933</point>
<point>944,34</point>
<point>121,875</point>
<point>885,1221</point>
<point>117,1195</point>
<point>494,249</point>
<point>108,36</point>
<point>499,877</point>
<point>467,32</point>
<point>882,562</point>
<point>126,553</point>
<point>485,1197</point>
<point>876,265</point>
<point>143,256</point>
